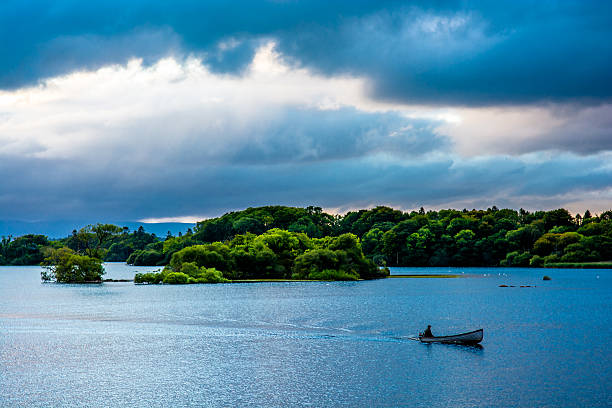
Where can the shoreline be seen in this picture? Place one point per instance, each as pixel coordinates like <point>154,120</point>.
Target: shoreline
<point>426,276</point>
<point>409,276</point>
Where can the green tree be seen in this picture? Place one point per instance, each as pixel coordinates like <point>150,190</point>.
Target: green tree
<point>517,258</point>
<point>313,261</point>
<point>372,242</point>
<point>24,250</point>
<point>559,217</point>
<point>523,238</point>
<point>464,242</point>
<point>63,265</point>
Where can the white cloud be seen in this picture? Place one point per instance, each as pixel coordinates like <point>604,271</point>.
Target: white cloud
<point>146,110</point>
<point>149,110</point>
<point>183,136</point>
<point>189,219</point>
<point>522,129</point>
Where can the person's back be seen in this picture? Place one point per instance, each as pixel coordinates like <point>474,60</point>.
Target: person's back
<point>427,332</point>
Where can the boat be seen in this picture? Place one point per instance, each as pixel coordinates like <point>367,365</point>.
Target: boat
<point>473,337</point>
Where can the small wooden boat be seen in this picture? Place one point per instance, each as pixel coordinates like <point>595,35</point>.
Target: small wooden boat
<point>473,337</point>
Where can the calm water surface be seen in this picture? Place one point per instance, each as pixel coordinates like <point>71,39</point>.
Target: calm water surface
<point>307,344</point>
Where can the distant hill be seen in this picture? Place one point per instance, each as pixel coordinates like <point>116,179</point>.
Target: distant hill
<point>61,229</point>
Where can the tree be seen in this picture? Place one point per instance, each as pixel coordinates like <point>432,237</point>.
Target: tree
<point>417,245</point>
<point>215,255</point>
<point>63,265</point>
<point>524,237</point>
<point>372,242</point>
<point>248,224</point>
<point>559,217</point>
<point>24,250</point>
<point>464,242</point>
<point>313,261</point>
<point>91,239</point>
<point>517,258</point>
<point>145,257</point>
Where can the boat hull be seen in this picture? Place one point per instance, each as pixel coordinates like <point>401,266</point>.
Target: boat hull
<point>473,337</point>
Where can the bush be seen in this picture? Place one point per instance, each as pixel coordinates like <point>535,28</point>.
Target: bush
<point>332,275</point>
<point>374,272</point>
<point>176,278</point>
<point>210,255</point>
<point>551,259</point>
<point>516,258</point>
<point>150,277</point>
<point>536,261</point>
<point>210,275</point>
<point>379,260</point>
<point>194,275</point>
<point>313,261</point>
<point>191,269</point>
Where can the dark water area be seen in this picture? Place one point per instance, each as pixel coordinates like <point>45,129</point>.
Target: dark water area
<point>308,343</point>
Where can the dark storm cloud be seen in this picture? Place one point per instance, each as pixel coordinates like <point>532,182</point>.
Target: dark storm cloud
<point>456,52</point>
<point>137,174</point>
<point>276,136</point>
<point>304,135</point>
<point>54,190</point>
<point>32,32</point>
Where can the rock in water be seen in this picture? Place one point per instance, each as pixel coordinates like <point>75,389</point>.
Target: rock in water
<point>546,277</point>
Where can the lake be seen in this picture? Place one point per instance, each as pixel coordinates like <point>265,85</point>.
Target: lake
<point>308,343</point>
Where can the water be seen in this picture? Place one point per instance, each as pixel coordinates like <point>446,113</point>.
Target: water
<point>307,344</point>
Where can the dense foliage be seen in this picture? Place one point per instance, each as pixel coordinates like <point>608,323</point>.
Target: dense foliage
<point>492,237</point>
<point>275,254</point>
<point>109,242</point>
<point>63,265</point>
<point>191,274</point>
<point>25,250</point>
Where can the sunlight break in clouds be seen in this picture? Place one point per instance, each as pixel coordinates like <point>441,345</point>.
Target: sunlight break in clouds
<point>140,109</point>
<point>176,141</point>
<point>186,219</point>
<point>158,109</point>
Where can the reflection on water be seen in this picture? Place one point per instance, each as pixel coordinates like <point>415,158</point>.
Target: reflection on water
<point>316,344</point>
<point>473,348</point>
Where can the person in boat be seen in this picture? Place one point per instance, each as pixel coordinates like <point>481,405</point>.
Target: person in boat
<point>427,332</point>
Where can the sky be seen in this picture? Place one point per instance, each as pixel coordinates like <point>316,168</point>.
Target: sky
<point>138,110</point>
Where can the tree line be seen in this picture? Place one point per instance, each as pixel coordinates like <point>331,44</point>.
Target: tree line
<point>388,237</point>
<point>491,237</point>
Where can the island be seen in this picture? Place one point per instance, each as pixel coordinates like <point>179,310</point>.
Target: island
<point>274,255</point>
<point>280,242</point>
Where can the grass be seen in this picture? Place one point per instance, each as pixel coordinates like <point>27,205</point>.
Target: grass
<point>580,265</point>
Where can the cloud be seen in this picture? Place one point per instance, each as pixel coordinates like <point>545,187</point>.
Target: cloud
<point>60,189</point>
<point>472,53</point>
<point>579,129</point>
<point>74,35</point>
<point>453,53</point>
<point>166,130</point>
<point>179,139</point>
<point>184,112</point>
